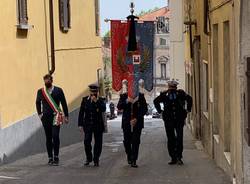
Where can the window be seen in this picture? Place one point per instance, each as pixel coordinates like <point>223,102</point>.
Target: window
<point>167,25</point>
<point>163,71</point>
<point>64,15</point>
<point>22,14</point>
<point>227,97</point>
<point>247,102</point>
<point>163,41</point>
<point>205,86</point>
<point>162,25</point>
<point>97,16</point>
<point>215,39</point>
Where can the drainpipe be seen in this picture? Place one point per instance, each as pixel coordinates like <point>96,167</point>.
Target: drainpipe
<point>52,38</point>
<point>191,41</point>
<point>206,14</point>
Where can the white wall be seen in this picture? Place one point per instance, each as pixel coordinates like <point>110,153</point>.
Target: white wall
<point>177,42</point>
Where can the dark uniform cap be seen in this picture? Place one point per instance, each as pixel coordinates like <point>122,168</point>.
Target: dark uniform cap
<point>173,82</point>
<point>94,87</point>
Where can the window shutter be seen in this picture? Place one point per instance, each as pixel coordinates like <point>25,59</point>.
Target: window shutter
<point>64,15</point>
<point>247,108</point>
<point>97,23</point>
<point>22,12</point>
<point>69,14</point>
<point>61,14</point>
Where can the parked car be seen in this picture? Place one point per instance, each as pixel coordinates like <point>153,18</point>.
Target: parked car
<point>150,109</point>
<point>119,112</point>
<point>155,114</point>
<point>108,112</point>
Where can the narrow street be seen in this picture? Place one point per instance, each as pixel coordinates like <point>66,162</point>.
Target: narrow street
<point>153,167</point>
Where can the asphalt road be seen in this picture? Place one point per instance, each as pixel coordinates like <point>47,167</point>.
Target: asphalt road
<point>153,167</point>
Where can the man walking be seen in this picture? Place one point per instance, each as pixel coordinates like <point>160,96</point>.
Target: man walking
<point>132,124</point>
<point>90,121</point>
<point>177,103</point>
<point>48,102</point>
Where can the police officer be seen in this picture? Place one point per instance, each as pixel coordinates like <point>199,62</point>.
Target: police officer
<point>177,103</point>
<point>132,124</point>
<point>90,121</point>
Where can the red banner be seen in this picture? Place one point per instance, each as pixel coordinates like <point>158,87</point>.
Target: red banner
<point>119,42</point>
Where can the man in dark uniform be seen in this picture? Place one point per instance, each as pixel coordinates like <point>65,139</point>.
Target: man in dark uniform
<point>47,114</point>
<point>132,124</point>
<point>177,103</point>
<point>90,121</point>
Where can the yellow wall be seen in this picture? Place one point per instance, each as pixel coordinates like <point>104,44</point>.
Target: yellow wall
<point>221,11</point>
<point>24,60</point>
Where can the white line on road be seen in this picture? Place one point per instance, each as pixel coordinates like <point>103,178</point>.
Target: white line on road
<point>8,177</point>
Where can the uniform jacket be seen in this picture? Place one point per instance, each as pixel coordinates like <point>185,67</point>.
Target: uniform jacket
<point>176,104</point>
<point>91,114</point>
<point>139,110</point>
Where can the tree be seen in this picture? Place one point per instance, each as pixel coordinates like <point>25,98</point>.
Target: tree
<point>107,34</point>
<point>108,87</point>
<point>147,11</point>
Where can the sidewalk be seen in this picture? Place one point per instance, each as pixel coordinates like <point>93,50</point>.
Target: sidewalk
<point>153,167</point>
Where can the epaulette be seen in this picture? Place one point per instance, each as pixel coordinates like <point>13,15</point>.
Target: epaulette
<point>181,91</point>
<point>102,98</point>
<point>164,92</point>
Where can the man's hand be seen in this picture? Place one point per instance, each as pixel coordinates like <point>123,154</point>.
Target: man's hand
<point>40,116</point>
<point>81,129</point>
<point>94,98</point>
<point>133,122</point>
<point>131,100</point>
<point>66,120</point>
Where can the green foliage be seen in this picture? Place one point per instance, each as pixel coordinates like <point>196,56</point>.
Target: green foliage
<point>147,11</point>
<point>107,34</point>
<point>106,62</point>
<point>107,84</point>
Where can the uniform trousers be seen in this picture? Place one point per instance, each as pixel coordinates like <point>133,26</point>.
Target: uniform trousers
<point>174,131</point>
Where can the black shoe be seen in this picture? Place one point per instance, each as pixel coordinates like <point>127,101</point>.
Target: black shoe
<point>129,160</point>
<point>134,165</point>
<point>56,161</point>
<point>172,162</point>
<point>96,164</point>
<point>50,161</point>
<point>87,163</point>
<point>180,162</point>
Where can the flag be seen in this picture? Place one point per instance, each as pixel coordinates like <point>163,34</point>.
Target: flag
<point>136,65</point>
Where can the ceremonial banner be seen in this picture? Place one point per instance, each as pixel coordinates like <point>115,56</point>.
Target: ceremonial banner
<point>119,36</point>
<point>132,66</point>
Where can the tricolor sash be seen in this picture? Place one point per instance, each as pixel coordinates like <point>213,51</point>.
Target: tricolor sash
<point>58,115</point>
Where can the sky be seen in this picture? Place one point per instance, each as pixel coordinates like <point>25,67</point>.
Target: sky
<point>119,9</point>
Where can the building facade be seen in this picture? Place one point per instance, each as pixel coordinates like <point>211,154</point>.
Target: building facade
<point>212,62</point>
<point>29,42</point>
<point>243,73</point>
